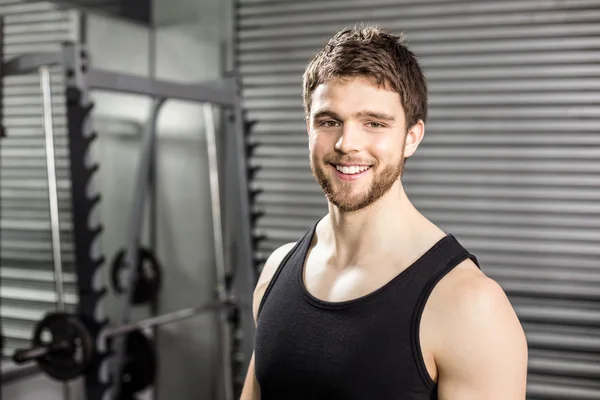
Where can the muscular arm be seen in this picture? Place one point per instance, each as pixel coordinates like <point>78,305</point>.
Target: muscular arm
<point>482,353</point>
<point>251,390</point>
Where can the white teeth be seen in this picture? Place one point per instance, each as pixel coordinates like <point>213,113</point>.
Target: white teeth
<point>353,169</point>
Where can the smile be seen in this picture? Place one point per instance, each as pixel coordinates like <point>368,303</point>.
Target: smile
<point>350,172</point>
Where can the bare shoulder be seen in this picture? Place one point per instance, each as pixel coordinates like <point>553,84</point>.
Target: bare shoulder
<point>483,349</point>
<point>470,303</point>
<point>467,289</point>
<point>267,273</point>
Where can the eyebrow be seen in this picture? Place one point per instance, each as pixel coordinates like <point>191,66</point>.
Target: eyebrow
<point>325,113</point>
<point>360,114</point>
<point>376,115</point>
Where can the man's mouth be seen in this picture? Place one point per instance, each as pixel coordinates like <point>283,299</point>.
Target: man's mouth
<point>352,169</point>
<point>350,172</point>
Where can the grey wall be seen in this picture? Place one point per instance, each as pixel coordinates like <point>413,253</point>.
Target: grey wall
<point>509,162</point>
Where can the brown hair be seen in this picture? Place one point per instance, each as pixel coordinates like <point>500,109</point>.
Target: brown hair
<point>376,54</point>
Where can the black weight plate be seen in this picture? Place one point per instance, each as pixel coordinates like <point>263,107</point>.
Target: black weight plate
<point>126,396</point>
<point>149,278</point>
<point>139,366</point>
<point>69,361</point>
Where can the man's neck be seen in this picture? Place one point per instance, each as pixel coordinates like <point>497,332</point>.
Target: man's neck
<point>387,229</point>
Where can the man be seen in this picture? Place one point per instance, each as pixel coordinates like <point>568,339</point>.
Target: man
<point>375,301</point>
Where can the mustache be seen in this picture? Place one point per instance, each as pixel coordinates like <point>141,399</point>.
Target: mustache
<point>334,159</point>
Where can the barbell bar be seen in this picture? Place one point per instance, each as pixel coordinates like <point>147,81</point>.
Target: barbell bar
<point>166,318</point>
<point>70,347</point>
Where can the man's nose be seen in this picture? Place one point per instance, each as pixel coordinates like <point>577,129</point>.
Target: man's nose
<point>350,139</point>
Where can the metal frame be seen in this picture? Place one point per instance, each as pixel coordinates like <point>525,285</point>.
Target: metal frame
<point>222,93</point>
<point>134,231</point>
<point>84,198</point>
<point>80,79</point>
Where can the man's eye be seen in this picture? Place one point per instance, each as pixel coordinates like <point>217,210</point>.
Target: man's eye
<point>375,125</point>
<point>329,124</point>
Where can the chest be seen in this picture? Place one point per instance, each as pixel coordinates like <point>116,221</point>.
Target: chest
<point>333,284</point>
<point>309,350</point>
<point>332,349</point>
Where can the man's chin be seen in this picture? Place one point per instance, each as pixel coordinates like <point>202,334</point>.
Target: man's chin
<point>348,202</point>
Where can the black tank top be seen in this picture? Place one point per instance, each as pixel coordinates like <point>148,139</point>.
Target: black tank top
<point>366,348</point>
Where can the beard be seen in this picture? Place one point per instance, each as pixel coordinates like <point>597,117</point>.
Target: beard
<point>343,194</point>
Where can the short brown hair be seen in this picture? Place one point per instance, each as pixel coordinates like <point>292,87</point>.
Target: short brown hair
<point>376,54</point>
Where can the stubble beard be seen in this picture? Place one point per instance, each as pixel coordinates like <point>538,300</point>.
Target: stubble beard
<point>343,195</point>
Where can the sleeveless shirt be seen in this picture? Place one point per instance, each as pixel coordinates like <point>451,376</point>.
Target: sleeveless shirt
<point>365,348</point>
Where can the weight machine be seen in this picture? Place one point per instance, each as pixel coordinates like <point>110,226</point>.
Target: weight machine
<point>84,344</point>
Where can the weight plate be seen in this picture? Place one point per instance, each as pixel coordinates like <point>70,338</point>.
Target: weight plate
<point>149,278</point>
<point>73,346</point>
<point>126,396</point>
<point>139,367</point>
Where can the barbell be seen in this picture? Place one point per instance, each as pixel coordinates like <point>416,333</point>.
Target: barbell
<point>63,346</point>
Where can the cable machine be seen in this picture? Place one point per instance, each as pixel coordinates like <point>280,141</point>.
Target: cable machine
<point>84,343</point>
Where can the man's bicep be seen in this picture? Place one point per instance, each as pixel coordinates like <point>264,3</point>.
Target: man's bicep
<point>251,390</point>
<point>484,353</point>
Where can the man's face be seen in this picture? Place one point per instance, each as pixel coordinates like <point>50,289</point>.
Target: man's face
<point>357,141</point>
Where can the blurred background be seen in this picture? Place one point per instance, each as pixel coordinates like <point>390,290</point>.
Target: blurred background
<point>510,163</point>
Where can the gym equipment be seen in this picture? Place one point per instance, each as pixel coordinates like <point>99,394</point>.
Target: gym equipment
<point>134,229</point>
<point>52,187</point>
<point>80,77</point>
<point>45,86</point>
<point>148,279</point>
<point>63,346</point>
<point>139,369</point>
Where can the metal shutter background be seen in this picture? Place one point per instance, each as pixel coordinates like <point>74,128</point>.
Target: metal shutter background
<point>510,163</point>
<point>26,273</point>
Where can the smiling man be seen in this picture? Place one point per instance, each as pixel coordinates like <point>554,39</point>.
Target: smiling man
<point>375,301</point>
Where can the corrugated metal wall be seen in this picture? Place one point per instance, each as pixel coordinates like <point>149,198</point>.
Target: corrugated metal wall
<point>511,159</point>
<point>26,265</point>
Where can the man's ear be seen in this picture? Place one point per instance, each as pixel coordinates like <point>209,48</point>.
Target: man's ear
<point>413,138</point>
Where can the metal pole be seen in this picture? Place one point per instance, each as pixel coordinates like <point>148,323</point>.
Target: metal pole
<point>52,187</point>
<point>153,197</point>
<point>163,319</point>
<point>134,229</point>
<point>26,355</point>
<point>53,195</point>
<point>213,170</point>
<point>244,276</point>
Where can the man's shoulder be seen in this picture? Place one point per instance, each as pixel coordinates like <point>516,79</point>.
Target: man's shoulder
<point>269,269</point>
<point>473,312</point>
<point>469,296</point>
<point>475,337</point>
<point>467,288</point>
<point>274,261</point>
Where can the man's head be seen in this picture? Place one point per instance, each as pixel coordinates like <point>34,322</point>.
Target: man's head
<point>365,100</point>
